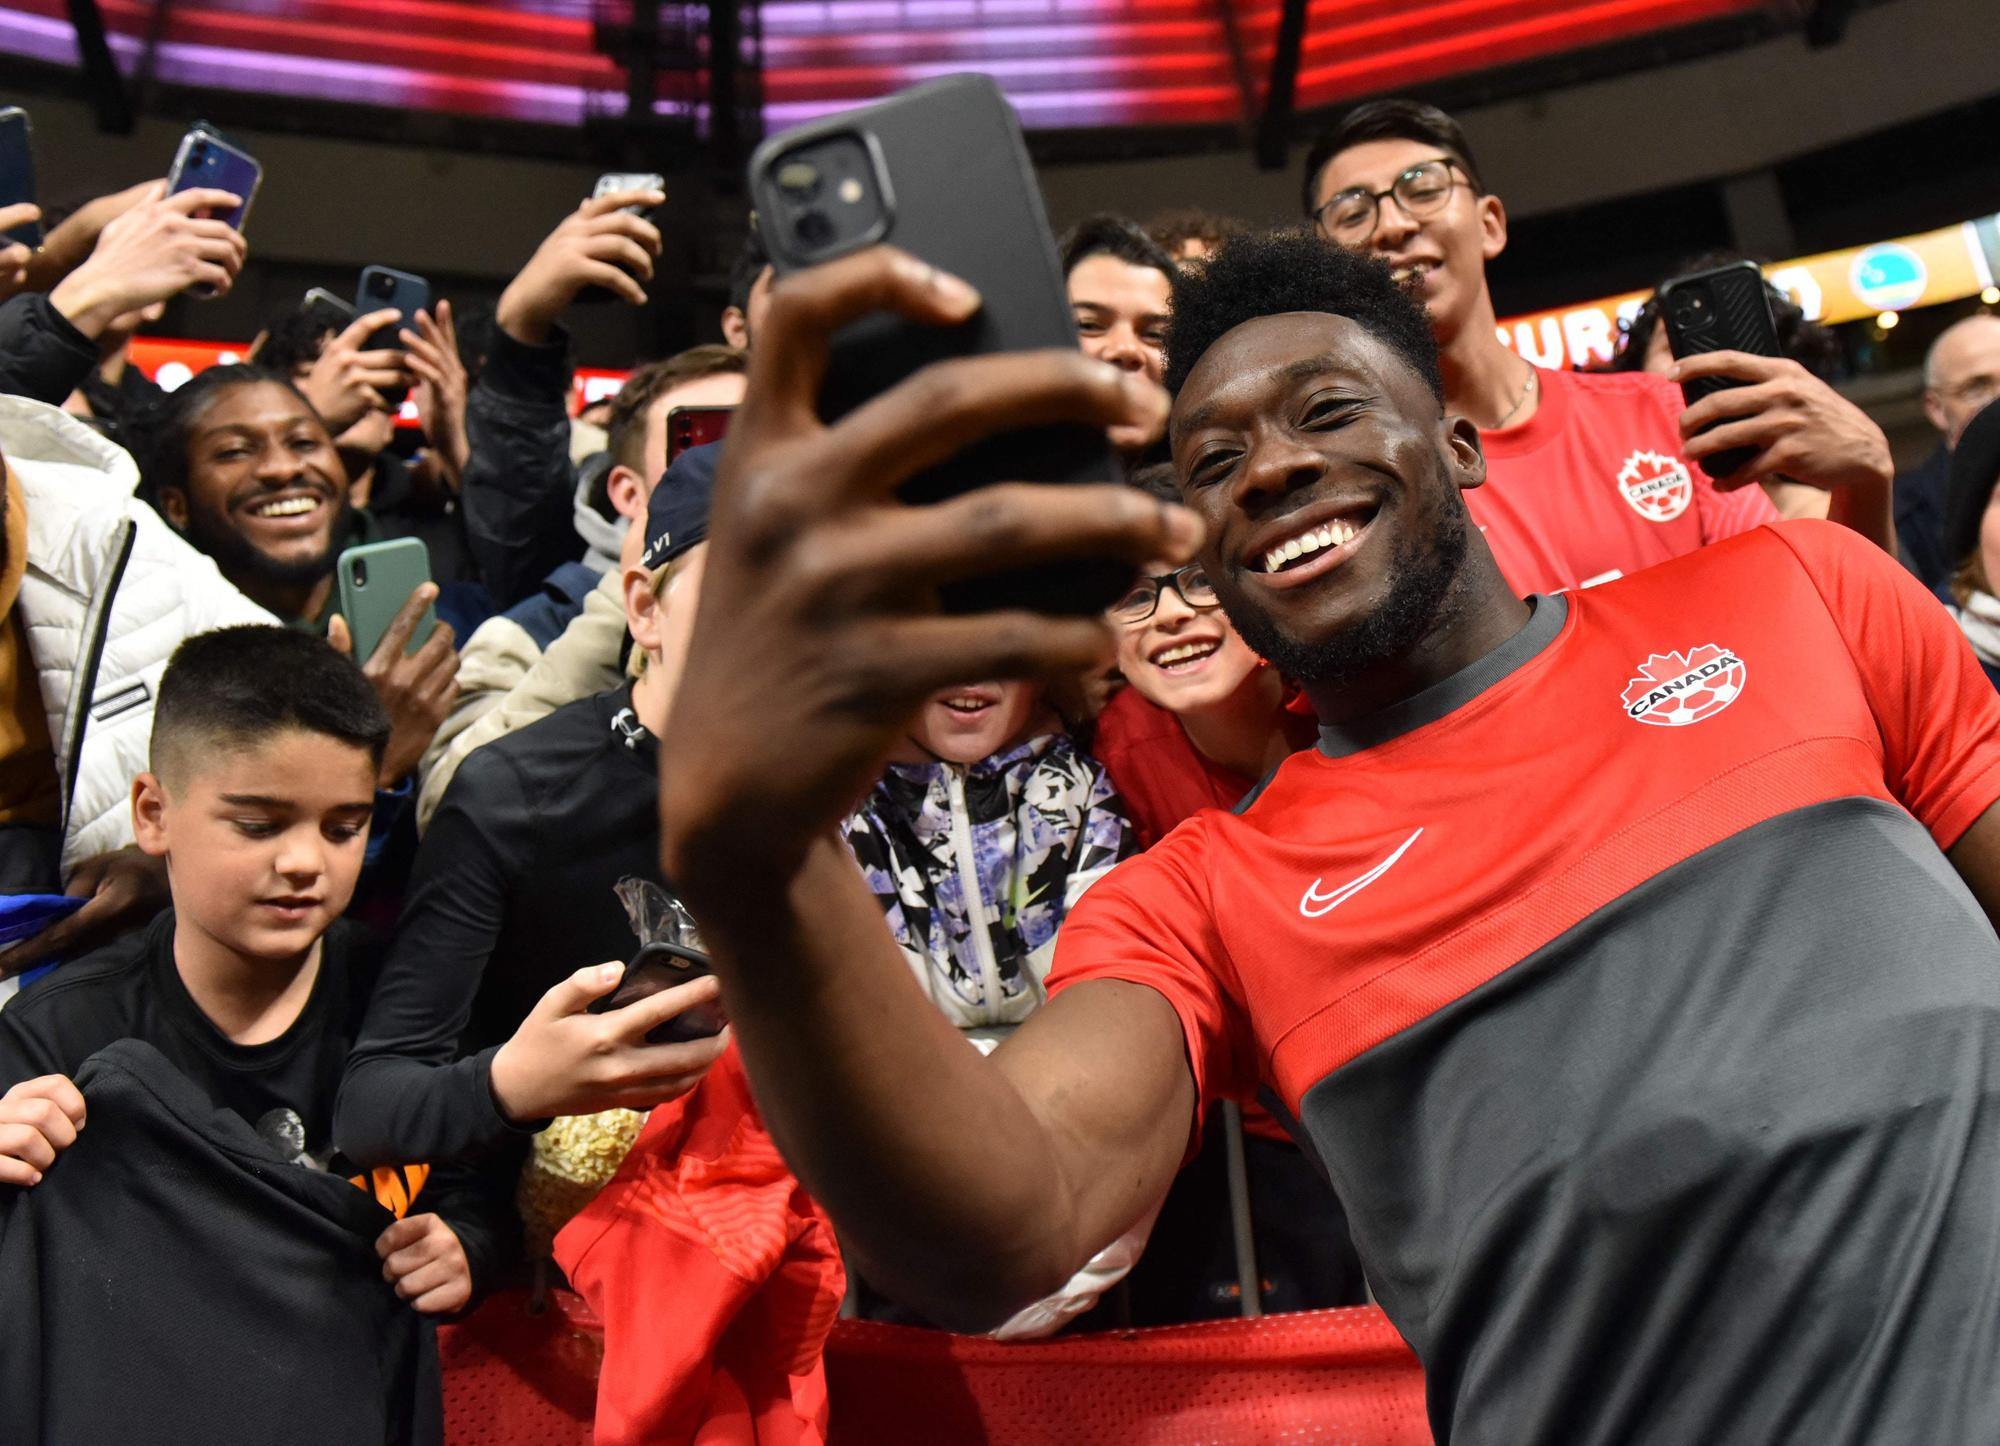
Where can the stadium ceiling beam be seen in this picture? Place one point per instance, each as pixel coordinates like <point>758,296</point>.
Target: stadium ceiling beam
<point>102,83</point>
<point>725,100</point>
<point>1274,127</point>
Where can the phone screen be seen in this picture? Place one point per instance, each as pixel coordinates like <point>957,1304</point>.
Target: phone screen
<point>695,427</point>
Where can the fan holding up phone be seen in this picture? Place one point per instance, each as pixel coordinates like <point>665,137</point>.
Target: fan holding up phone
<point>1753,414</point>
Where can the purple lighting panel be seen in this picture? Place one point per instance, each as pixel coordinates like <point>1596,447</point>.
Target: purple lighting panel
<point>1081,64</point>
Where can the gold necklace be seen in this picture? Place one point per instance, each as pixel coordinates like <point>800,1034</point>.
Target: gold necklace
<point>1527,390</point>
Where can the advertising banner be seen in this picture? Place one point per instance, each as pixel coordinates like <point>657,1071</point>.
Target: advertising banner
<point>1948,264</point>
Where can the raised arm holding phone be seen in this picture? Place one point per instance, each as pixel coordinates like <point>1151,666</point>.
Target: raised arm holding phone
<point>835,581</point>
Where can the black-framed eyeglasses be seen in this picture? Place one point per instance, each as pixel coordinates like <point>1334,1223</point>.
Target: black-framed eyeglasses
<point>1191,582</point>
<point>1422,191</point>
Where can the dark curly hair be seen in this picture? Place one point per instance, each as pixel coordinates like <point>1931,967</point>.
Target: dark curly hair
<point>1272,272</point>
<point>1107,235</point>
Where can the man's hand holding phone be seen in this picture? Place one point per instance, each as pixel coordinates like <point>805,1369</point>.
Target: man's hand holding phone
<point>1798,429</point>
<point>150,253</point>
<point>819,633</point>
<point>1794,424</point>
<point>598,244</point>
<point>348,379</point>
<point>417,689</point>
<point>566,1059</point>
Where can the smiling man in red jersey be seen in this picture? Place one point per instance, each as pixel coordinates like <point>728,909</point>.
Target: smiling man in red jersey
<point>1627,954</point>
<point>1589,476</point>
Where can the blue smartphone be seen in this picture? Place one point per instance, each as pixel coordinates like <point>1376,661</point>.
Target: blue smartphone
<point>206,159</point>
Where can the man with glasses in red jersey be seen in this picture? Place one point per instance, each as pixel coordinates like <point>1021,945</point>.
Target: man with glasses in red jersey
<point>1589,476</point>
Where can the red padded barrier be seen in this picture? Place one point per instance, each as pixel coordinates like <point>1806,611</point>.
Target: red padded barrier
<point>1321,1376</point>
<point>512,1378</point>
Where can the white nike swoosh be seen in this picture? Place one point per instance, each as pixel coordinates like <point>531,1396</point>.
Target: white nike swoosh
<point>1314,903</point>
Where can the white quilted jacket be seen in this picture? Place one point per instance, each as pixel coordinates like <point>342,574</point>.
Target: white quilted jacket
<point>81,517</point>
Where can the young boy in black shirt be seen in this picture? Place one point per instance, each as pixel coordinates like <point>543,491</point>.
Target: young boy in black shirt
<point>265,747</point>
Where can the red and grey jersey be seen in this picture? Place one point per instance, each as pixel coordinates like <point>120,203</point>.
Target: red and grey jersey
<point>1594,486</point>
<point>1648,1036</point>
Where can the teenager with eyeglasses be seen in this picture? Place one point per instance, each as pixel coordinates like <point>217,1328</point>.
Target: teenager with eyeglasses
<point>1202,717</point>
<point>1589,476</point>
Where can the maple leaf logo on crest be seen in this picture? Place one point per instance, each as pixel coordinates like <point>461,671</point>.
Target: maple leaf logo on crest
<point>1676,689</point>
<point>1657,486</point>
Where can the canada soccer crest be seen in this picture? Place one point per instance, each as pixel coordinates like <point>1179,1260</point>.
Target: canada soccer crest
<point>1658,487</point>
<point>1675,689</point>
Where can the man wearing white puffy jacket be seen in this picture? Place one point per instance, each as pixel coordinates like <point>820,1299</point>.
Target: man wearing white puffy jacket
<point>96,591</point>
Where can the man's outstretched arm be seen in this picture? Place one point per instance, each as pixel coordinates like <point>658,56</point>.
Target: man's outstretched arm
<point>964,1185</point>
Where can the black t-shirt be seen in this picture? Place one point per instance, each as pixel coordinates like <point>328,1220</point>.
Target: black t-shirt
<point>512,893</point>
<point>131,989</point>
<point>284,1089</point>
<point>171,1282</point>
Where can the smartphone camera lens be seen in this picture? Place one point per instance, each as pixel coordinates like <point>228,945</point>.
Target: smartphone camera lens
<point>799,180</point>
<point>814,229</point>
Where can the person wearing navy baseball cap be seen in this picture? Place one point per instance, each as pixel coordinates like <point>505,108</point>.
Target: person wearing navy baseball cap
<point>512,903</point>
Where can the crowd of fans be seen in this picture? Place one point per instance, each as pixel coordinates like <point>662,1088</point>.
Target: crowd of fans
<point>365,904</point>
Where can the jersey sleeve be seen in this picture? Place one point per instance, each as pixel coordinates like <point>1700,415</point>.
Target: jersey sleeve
<point>1938,714</point>
<point>1722,514</point>
<point>1149,921</point>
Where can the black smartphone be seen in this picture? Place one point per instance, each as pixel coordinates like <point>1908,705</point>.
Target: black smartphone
<point>17,174</point>
<point>1726,309</point>
<point>657,967</point>
<point>695,427</point>
<point>384,286</point>
<point>941,171</point>
<point>335,311</point>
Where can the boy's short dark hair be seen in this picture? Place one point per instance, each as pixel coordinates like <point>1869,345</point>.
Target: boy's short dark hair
<point>1108,235</point>
<point>626,432</point>
<point>1389,120</point>
<point>1274,272</point>
<point>237,687</point>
